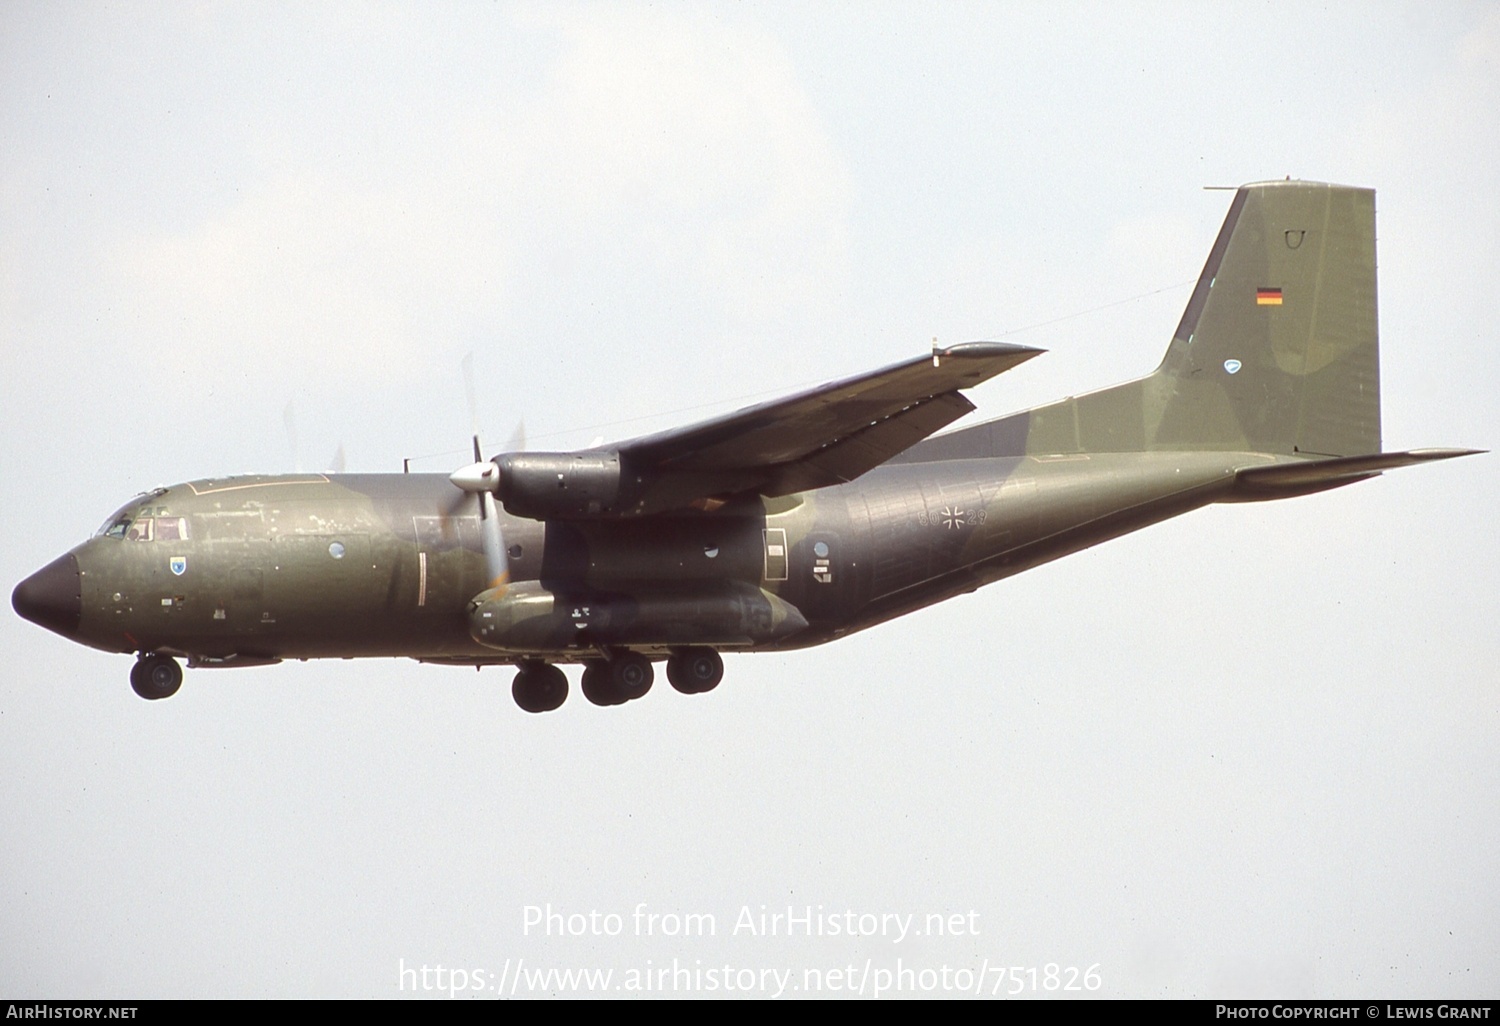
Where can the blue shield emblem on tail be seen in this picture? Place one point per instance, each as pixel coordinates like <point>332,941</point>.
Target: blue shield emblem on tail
<point>1232,366</point>
<point>178,564</point>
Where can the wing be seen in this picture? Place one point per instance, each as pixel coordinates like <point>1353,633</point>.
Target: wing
<point>824,436</point>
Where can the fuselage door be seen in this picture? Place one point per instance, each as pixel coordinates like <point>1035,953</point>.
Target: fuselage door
<point>824,582</point>
<point>442,568</point>
<point>776,554</point>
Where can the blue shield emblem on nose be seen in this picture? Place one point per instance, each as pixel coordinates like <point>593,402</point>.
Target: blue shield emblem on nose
<point>1232,366</point>
<point>178,565</point>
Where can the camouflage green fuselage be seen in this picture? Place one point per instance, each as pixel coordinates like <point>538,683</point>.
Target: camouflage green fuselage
<point>387,565</point>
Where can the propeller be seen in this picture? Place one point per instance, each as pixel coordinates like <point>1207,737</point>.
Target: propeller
<point>482,478</point>
<point>289,419</point>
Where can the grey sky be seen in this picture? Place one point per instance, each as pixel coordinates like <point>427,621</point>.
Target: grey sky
<point>1251,751</point>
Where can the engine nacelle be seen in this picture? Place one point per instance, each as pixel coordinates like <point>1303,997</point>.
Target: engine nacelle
<point>540,485</point>
<point>528,619</point>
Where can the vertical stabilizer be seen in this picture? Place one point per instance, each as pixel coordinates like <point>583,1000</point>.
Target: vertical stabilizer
<point>1277,351</point>
<point>1278,348</point>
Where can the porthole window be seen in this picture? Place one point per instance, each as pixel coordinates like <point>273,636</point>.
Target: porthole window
<point>711,551</point>
<point>336,550</point>
<point>820,549</point>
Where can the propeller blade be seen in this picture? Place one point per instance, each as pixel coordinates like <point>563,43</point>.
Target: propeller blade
<point>289,419</point>
<point>483,478</point>
<point>468,367</point>
<point>496,563</point>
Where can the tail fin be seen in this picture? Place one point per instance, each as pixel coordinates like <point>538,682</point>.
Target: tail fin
<point>1277,351</point>
<point>1278,348</point>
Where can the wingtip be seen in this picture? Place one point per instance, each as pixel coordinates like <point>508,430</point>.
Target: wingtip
<point>985,349</point>
<point>1445,453</point>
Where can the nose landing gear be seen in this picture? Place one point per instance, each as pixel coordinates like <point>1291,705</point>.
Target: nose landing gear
<point>155,676</point>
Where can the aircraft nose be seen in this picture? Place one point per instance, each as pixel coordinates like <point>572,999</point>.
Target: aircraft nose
<point>53,596</point>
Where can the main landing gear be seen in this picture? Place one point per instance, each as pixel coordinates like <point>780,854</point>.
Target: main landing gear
<point>616,681</point>
<point>695,670</point>
<point>539,687</point>
<point>624,677</point>
<point>155,676</point>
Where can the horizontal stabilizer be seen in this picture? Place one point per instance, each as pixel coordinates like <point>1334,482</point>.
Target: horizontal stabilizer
<point>1315,475</point>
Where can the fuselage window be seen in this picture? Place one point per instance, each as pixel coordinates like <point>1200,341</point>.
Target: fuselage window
<point>139,530</point>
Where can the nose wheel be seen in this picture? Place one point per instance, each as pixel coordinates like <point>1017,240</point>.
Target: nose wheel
<point>155,676</point>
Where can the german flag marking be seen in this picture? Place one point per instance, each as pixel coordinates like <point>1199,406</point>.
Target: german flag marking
<point>1267,297</point>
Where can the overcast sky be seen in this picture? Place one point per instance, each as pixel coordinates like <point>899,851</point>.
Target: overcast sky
<point>1249,752</point>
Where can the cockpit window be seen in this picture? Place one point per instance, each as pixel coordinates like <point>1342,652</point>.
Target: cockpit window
<point>139,528</point>
<point>171,529</point>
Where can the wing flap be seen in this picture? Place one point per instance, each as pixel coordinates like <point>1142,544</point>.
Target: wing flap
<point>849,457</point>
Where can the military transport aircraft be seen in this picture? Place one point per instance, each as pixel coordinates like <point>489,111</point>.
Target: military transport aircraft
<point>783,525</point>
